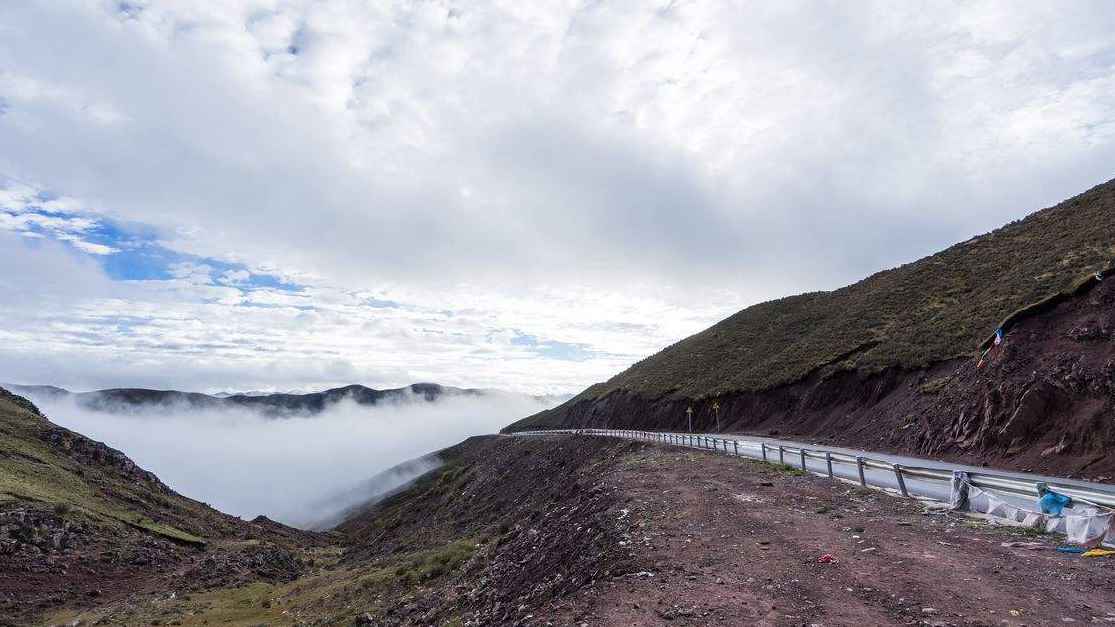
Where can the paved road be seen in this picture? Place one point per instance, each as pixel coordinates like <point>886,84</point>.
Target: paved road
<point>937,489</point>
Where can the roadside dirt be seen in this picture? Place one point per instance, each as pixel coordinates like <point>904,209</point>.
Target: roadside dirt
<point>733,542</point>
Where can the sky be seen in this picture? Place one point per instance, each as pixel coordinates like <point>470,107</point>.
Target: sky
<point>289,195</point>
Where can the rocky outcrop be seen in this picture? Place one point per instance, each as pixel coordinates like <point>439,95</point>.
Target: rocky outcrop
<point>97,454</point>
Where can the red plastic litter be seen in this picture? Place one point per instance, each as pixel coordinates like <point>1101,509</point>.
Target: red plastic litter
<point>827,558</point>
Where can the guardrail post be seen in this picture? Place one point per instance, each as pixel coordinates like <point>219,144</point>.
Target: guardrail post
<point>763,447</point>
<point>735,445</point>
<point>828,461</point>
<point>901,481</point>
<point>802,451</point>
<point>859,467</point>
<point>781,455</point>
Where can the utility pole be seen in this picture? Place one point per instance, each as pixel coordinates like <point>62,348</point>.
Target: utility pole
<point>689,412</point>
<point>716,410</point>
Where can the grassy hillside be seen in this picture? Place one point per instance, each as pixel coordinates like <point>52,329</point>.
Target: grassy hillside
<point>44,464</point>
<point>933,309</point>
<point>81,524</point>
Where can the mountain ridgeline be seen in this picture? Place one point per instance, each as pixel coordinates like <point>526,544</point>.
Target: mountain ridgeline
<point>276,405</point>
<point>890,362</point>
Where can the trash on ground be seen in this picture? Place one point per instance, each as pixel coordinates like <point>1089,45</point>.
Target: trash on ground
<point>1033,546</point>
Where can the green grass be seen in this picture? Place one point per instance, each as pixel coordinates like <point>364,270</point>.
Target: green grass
<point>34,471</point>
<point>331,596</point>
<point>935,386</point>
<point>426,565</point>
<point>940,307</point>
<point>787,469</point>
<point>168,532</point>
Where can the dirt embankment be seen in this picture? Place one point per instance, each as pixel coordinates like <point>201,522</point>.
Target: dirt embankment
<point>1043,401</point>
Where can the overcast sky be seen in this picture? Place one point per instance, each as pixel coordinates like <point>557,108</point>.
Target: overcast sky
<point>523,195</point>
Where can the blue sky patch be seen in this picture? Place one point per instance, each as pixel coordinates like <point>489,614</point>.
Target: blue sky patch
<point>553,349</point>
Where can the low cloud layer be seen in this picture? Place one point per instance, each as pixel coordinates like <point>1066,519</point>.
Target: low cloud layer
<point>300,471</point>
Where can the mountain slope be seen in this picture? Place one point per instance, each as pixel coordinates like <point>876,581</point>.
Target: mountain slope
<point>810,363</point>
<point>81,523</point>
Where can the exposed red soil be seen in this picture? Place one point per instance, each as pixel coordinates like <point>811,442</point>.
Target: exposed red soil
<point>84,565</point>
<point>1044,401</point>
<point>727,541</point>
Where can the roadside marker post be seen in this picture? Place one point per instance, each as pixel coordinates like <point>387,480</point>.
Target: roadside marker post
<point>763,446</point>
<point>859,467</point>
<point>828,460</point>
<point>802,451</point>
<point>781,455</point>
<point>901,480</point>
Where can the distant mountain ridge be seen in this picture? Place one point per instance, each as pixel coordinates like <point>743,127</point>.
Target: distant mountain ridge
<point>278,404</point>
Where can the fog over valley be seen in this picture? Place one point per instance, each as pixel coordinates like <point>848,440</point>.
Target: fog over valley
<point>301,470</point>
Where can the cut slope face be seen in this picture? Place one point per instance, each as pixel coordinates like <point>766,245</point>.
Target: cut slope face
<point>890,362</point>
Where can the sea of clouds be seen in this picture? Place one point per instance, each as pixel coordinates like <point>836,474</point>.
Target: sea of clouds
<point>301,471</point>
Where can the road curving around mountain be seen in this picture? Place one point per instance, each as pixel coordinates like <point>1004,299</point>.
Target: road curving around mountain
<point>892,363</point>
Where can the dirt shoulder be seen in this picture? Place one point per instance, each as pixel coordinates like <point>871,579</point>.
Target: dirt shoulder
<point>731,541</point>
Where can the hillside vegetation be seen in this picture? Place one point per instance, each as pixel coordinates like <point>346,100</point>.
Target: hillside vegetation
<point>81,524</point>
<point>939,307</point>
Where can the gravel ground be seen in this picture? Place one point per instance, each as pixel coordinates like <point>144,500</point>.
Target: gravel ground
<point>729,541</point>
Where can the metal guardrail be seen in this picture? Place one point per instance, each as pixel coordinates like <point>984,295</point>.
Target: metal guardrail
<point>796,456</point>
